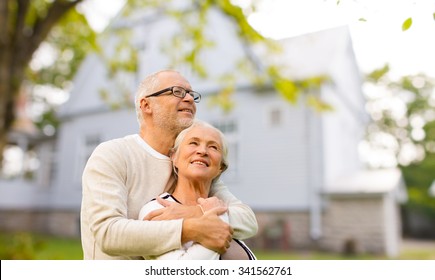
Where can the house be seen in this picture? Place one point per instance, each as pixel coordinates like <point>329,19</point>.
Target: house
<point>286,161</point>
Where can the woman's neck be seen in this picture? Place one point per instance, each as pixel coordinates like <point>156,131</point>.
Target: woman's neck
<point>188,192</point>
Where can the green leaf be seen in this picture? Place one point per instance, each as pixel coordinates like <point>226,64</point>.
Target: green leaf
<point>288,89</point>
<point>318,104</point>
<point>407,24</point>
<point>377,74</point>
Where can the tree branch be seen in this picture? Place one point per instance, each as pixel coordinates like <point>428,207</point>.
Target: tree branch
<point>4,22</point>
<point>23,6</point>
<point>44,25</point>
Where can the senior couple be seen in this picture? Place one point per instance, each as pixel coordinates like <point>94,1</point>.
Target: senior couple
<point>157,194</point>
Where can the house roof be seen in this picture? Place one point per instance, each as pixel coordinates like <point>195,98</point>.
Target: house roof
<point>313,53</point>
<point>370,182</point>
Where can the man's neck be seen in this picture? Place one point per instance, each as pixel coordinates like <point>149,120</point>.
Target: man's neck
<point>160,141</point>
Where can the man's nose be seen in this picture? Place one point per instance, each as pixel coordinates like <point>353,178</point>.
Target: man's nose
<point>188,98</point>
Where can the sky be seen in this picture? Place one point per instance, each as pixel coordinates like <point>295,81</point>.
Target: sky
<point>375,26</point>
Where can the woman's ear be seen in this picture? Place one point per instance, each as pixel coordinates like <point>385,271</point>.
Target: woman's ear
<point>172,154</point>
<point>223,167</point>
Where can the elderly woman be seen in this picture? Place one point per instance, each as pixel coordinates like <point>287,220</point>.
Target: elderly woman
<point>199,157</point>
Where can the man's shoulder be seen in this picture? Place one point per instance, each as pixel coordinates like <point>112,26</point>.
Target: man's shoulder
<point>117,142</point>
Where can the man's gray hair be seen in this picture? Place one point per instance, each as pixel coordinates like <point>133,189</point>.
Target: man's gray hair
<point>147,87</point>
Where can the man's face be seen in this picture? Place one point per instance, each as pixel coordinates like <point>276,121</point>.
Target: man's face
<point>171,112</point>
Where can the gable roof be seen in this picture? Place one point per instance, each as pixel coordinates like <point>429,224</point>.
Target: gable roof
<point>370,182</point>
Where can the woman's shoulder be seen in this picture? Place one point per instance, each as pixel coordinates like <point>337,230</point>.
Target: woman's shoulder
<point>152,205</point>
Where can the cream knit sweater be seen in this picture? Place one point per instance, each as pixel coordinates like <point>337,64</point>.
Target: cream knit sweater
<point>120,177</point>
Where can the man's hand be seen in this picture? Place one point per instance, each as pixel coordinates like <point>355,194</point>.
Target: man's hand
<point>173,210</point>
<point>210,203</point>
<point>209,230</point>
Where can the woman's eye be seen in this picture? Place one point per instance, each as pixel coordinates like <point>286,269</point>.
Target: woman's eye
<point>214,147</point>
<point>193,143</point>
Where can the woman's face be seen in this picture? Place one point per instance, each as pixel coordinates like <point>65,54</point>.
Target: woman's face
<point>199,156</point>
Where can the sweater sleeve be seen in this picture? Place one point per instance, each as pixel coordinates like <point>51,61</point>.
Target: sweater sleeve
<point>241,217</point>
<point>107,231</point>
<point>193,251</point>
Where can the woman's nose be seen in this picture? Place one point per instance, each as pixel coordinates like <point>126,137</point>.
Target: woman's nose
<point>201,150</point>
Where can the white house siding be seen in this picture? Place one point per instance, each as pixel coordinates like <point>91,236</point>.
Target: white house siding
<point>73,156</point>
<point>60,222</point>
<point>272,166</point>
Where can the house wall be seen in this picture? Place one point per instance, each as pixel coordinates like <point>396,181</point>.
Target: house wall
<point>351,225</point>
<point>77,140</point>
<point>63,223</point>
<point>355,225</point>
<point>272,158</point>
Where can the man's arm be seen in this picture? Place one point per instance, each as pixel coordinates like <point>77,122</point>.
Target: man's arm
<point>107,231</point>
<point>210,229</point>
<point>241,217</point>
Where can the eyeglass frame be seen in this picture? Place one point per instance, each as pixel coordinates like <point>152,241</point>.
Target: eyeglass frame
<point>171,89</point>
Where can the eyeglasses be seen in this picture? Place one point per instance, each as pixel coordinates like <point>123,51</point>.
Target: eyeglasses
<point>179,92</point>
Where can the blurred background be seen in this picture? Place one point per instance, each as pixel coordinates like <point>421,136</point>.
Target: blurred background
<point>327,106</point>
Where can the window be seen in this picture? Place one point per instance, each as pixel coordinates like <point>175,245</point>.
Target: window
<point>230,129</point>
<point>275,117</point>
<point>88,145</point>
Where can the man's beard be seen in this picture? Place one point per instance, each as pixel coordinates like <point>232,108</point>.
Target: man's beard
<point>170,123</point>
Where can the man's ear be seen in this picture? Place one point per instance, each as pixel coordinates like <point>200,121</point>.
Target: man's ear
<point>145,105</point>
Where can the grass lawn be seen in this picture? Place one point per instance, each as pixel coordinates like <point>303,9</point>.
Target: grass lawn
<point>26,246</point>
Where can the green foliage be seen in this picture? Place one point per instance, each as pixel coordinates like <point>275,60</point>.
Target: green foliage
<point>236,13</point>
<point>377,74</point>
<point>20,246</point>
<point>48,118</point>
<point>69,48</point>
<point>406,24</point>
<point>413,111</point>
<point>69,42</point>
<point>30,246</point>
<point>191,41</point>
<point>412,97</point>
<point>223,99</point>
<point>290,90</point>
<point>419,177</point>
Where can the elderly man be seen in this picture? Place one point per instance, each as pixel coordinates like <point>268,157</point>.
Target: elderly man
<point>123,174</point>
